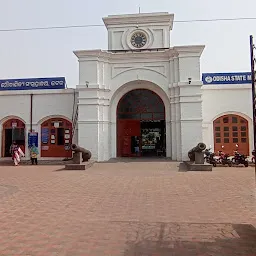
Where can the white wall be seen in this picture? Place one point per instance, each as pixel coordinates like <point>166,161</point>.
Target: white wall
<point>46,104</point>
<point>219,100</point>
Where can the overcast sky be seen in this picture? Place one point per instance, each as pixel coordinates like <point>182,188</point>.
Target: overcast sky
<point>47,53</point>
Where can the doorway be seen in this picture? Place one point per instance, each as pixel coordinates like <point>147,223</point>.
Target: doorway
<point>141,124</point>
<point>8,142</point>
<point>13,130</point>
<point>56,137</point>
<point>229,131</point>
<point>153,138</point>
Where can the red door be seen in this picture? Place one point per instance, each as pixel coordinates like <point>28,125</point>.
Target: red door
<point>125,130</point>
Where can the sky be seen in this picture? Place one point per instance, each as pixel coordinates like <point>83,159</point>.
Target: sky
<point>49,53</point>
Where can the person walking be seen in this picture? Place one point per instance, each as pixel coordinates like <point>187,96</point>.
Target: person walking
<point>33,154</point>
<point>16,153</point>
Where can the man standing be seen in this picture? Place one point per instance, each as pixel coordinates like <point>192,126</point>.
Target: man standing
<point>33,154</point>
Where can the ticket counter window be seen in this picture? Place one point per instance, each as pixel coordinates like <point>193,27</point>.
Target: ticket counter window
<point>13,130</point>
<point>56,138</point>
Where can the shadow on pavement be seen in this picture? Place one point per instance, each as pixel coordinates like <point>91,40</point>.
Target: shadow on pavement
<point>244,244</point>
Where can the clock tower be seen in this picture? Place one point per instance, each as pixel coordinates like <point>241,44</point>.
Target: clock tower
<point>139,31</point>
<point>139,67</point>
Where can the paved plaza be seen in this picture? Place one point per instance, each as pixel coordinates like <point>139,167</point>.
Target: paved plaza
<point>128,209</point>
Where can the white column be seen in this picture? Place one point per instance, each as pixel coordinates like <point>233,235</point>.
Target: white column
<point>173,126</point>
<point>191,118</point>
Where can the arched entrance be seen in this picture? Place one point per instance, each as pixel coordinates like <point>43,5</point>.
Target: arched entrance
<point>13,129</point>
<point>141,124</point>
<point>56,136</point>
<point>230,130</point>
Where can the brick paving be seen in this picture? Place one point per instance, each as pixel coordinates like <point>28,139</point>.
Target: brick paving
<point>129,209</point>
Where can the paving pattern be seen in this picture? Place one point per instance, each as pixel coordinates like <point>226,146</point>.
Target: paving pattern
<point>128,209</point>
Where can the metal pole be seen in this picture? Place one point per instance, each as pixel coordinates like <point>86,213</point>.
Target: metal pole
<point>253,96</point>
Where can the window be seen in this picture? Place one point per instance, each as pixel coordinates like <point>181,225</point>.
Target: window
<point>234,120</point>
<point>226,140</point>
<point>217,129</point>
<point>218,140</point>
<point>234,128</point>
<point>235,134</point>
<point>226,129</point>
<point>142,102</point>
<point>225,120</point>
<point>243,128</point>
<point>243,134</point>
<point>244,140</point>
<point>217,134</point>
<point>235,140</point>
<point>226,134</point>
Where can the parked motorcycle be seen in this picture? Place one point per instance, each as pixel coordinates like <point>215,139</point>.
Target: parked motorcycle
<point>209,157</point>
<point>224,158</point>
<point>239,158</point>
<point>253,156</point>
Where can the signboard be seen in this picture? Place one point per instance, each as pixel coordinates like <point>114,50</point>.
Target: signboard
<point>32,84</point>
<point>45,148</point>
<point>14,125</point>
<point>227,78</point>
<point>45,135</point>
<point>32,139</point>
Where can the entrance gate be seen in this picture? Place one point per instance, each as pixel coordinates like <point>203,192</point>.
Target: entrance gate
<point>140,124</point>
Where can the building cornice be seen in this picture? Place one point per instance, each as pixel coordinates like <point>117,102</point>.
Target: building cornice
<point>189,50</point>
<point>91,53</point>
<point>140,18</point>
<point>177,51</point>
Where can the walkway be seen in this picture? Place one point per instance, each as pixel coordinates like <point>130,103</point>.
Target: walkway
<point>128,209</point>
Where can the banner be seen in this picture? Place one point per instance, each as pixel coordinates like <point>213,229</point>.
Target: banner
<point>33,84</point>
<point>227,78</point>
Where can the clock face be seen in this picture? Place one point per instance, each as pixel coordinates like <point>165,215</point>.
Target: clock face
<point>138,39</point>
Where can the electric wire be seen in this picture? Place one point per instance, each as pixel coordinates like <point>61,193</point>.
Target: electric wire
<point>102,25</point>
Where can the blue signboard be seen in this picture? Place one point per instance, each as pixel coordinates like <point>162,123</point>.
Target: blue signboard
<point>33,84</point>
<point>32,139</point>
<point>227,78</point>
<point>45,135</point>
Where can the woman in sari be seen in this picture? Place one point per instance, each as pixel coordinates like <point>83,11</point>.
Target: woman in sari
<point>16,153</point>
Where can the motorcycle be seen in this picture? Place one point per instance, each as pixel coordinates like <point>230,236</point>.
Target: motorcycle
<point>239,158</point>
<point>209,157</point>
<point>253,156</point>
<point>224,158</point>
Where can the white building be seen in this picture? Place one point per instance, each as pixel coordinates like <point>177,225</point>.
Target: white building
<point>227,111</point>
<point>140,93</point>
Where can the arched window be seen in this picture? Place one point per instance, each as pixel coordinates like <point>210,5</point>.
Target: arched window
<point>229,131</point>
<point>141,104</point>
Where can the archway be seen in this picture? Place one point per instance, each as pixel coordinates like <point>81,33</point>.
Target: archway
<point>141,129</point>
<point>13,130</point>
<point>229,131</point>
<point>56,136</point>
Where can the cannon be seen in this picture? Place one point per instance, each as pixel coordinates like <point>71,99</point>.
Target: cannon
<point>86,154</point>
<point>198,149</point>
